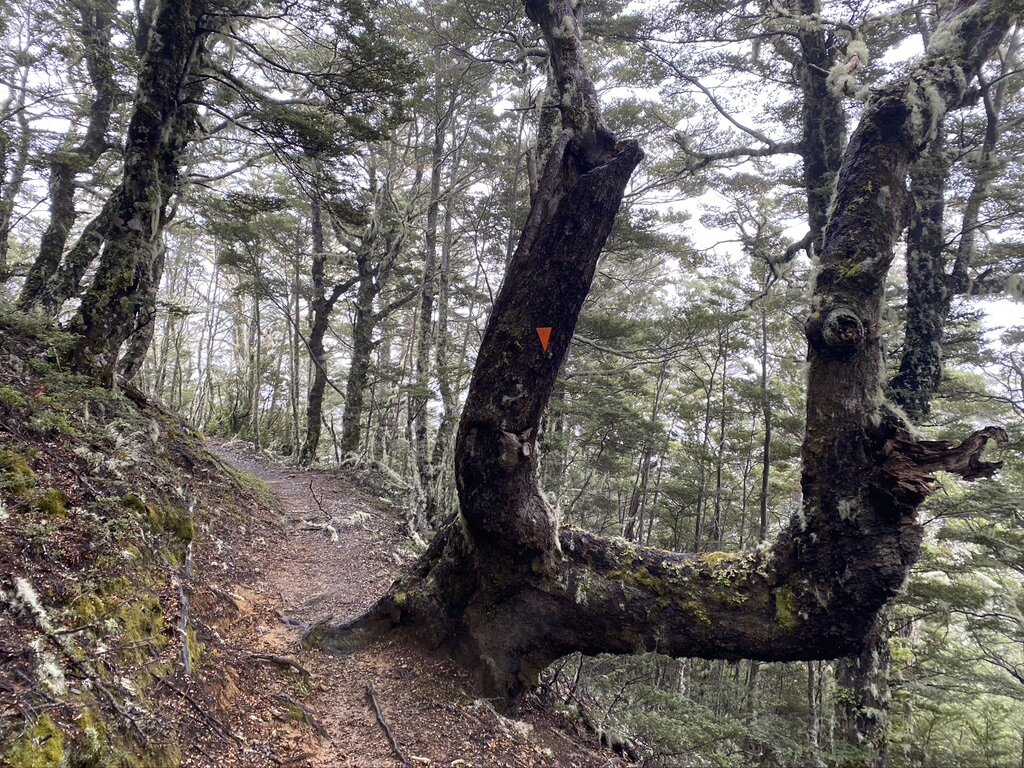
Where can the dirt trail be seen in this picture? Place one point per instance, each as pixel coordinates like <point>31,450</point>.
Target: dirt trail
<point>298,573</point>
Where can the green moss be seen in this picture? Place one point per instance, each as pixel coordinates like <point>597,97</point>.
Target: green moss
<point>786,607</point>
<point>94,736</point>
<point>11,398</point>
<point>717,559</point>
<point>134,503</point>
<point>698,610</point>
<point>51,423</point>
<point>252,485</point>
<point>142,623</point>
<point>138,621</point>
<point>87,609</point>
<point>41,745</point>
<point>173,520</point>
<point>52,503</point>
<point>15,473</point>
<point>196,649</point>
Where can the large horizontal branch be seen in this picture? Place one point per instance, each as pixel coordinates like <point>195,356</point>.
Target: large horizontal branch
<point>611,596</point>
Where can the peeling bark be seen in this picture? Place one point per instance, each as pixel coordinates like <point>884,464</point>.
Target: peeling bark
<point>508,593</point>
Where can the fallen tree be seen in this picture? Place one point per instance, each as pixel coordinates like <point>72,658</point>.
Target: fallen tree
<point>507,592</point>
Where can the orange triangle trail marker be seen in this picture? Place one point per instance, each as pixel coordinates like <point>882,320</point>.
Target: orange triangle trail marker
<point>545,338</point>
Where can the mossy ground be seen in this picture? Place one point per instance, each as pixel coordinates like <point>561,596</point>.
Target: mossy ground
<point>102,497</point>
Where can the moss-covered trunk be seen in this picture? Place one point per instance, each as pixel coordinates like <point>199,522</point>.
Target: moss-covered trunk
<point>320,309</point>
<point>363,326</point>
<point>508,592</point>
<point>419,402</point>
<point>823,122</point>
<point>160,129</point>
<point>95,24</point>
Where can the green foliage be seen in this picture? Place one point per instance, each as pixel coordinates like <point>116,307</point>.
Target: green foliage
<point>10,398</point>
<point>41,745</point>
<point>16,475</point>
<point>52,503</point>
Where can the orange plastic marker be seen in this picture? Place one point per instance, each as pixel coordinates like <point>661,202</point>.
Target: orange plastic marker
<point>545,338</point>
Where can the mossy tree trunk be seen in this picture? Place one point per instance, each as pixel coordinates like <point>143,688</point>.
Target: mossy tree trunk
<point>419,401</point>
<point>823,121</point>
<point>932,283</point>
<point>67,163</point>
<point>376,257</point>
<point>14,153</point>
<point>321,307</point>
<point>160,128</point>
<point>508,592</point>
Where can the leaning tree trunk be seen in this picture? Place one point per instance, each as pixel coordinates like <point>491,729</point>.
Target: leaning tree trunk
<point>67,164</point>
<point>159,131</point>
<point>507,592</point>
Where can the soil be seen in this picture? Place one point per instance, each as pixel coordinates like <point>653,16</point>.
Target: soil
<point>275,703</point>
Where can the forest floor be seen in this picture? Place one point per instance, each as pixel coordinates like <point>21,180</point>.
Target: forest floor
<point>298,572</point>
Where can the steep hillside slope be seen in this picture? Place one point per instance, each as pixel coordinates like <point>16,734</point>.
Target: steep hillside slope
<point>111,512</point>
<point>152,597</point>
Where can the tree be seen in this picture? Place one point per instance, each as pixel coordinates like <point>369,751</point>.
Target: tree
<point>95,21</point>
<point>163,117</point>
<point>507,590</point>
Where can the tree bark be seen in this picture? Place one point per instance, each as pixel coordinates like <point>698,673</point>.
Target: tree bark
<point>426,501</point>
<point>13,178</point>
<point>823,122</point>
<point>67,164</point>
<point>138,343</point>
<point>507,592</point>
<point>928,294</point>
<point>321,307</point>
<point>363,327</point>
<point>158,132</point>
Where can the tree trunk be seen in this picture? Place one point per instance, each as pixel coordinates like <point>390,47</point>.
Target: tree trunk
<point>446,428</point>
<point>13,180</point>
<point>863,711</point>
<point>507,592</point>
<point>766,414</point>
<point>823,121</point>
<point>928,295</point>
<point>359,369</point>
<point>138,343</point>
<point>67,164</point>
<point>426,501</point>
<point>320,310</point>
<point>158,133</point>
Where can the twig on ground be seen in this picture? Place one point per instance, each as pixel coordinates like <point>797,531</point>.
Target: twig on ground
<point>329,529</point>
<point>305,715</point>
<point>372,695</point>
<point>281,661</point>
<point>316,498</point>
<point>217,726</point>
